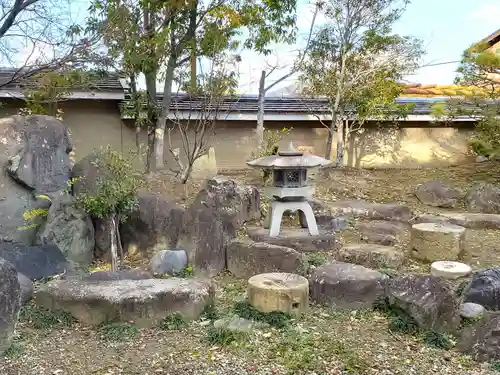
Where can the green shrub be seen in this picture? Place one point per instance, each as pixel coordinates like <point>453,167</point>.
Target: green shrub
<point>224,336</point>
<point>44,319</point>
<point>118,332</point>
<point>276,319</point>
<point>173,322</point>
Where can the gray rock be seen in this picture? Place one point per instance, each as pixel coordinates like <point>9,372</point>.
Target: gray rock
<point>246,258</point>
<point>237,324</point>
<point>298,239</point>
<point>71,229</point>
<point>483,198</point>
<point>102,230</point>
<point>435,193</point>
<point>88,172</point>
<point>374,211</point>
<point>155,226</point>
<point>26,287</point>
<point>35,262</point>
<point>484,289</point>
<point>346,286</point>
<point>482,340</point>
<point>205,237</point>
<point>464,219</point>
<point>117,275</point>
<point>481,159</point>
<point>236,202</point>
<point>10,298</point>
<point>471,310</point>
<point>38,148</point>
<point>146,302</point>
<point>429,300</point>
<point>371,255</point>
<point>171,262</point>
<point>382,232</point>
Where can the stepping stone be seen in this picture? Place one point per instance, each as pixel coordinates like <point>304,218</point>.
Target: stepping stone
<point>375,211</point>
<point>246,258</point>
<point>464,219</point>
<point>296,238</point>
<point>436,241</point>
<point>285,292</point>
<point>371,255</point>
<point>145,302</point>
<point>387,233</point>
<point>450,270</point>
<point>346,286</point>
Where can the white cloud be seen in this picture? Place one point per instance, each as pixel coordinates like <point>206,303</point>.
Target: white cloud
<point>486,13</point>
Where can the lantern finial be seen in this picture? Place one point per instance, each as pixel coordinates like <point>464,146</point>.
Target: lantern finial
<point>290,151</point>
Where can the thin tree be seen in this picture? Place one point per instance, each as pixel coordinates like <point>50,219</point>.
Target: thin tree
<point>356,62</point>
<point>263,89</point>
<point>38,36</point>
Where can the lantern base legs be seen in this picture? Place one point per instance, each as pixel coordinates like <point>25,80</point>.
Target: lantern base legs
<point>279,207</point>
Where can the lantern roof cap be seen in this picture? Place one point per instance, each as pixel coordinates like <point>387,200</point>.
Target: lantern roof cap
<point>289,158</point>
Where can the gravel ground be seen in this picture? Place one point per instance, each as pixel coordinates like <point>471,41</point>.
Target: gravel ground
<point>322,342</point>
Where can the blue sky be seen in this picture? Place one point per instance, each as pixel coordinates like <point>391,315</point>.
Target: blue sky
<point>447,27</point>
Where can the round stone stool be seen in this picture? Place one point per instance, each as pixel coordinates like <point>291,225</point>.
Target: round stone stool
<point>285,292</point>
<point>450,270</point>
<point>437,241</point>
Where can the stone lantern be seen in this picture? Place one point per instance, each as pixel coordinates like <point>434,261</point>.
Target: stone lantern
<point>291,189</point>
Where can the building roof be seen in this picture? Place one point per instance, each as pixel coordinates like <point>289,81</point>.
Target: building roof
<point>102,86</point>
<point>491,39</point>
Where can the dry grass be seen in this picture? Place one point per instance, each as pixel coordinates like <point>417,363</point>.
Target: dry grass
<point>321,342</point>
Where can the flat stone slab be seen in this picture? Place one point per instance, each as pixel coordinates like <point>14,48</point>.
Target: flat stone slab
<point>296,238</point>
<point>375,211</point>
<point>145,302</point>
<point>382,232</point>
<point>464,219</point>
<point>371,255</point>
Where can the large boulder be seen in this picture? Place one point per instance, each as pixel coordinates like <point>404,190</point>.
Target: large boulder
<point>482,340</point>
<point>484,289</point>
<point>146,302</point>
<point>10,303</point>
<point>27,287</point>
<point>37,148</point>
<point>205,236</point>
<point>346,286</point>
<point>71,229</point>
<point>246,258</point>
<point>483,198</point>
<point>154,226</point>
<point>435,193</point>
<point>88,173</point>
<point>236,202</point>
<point>168,262</point>
<point>429,300</point>
<point>35,262</point>
<point>15,200</point>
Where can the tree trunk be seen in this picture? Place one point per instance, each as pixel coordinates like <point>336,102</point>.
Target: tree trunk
<point>335,109</point>
<point>151,116</point>
<point>114,249</point>
<point>259,131</point>
<point>165,108</point>
<point>339,161</point>
<point>193,14</point>
<point>133,87</point>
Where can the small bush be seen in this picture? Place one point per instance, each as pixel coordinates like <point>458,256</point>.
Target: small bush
<point>224,336</point>
<point>14,351</point>
<point>118,332</point>
<point>316,259</point>
<point>495,365</point>
<point>437,340</point>
<point>276,319</point>
<point>403,324</point>
<point>45,319</point>
<point>173,322</point>
<point>210,312</point>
